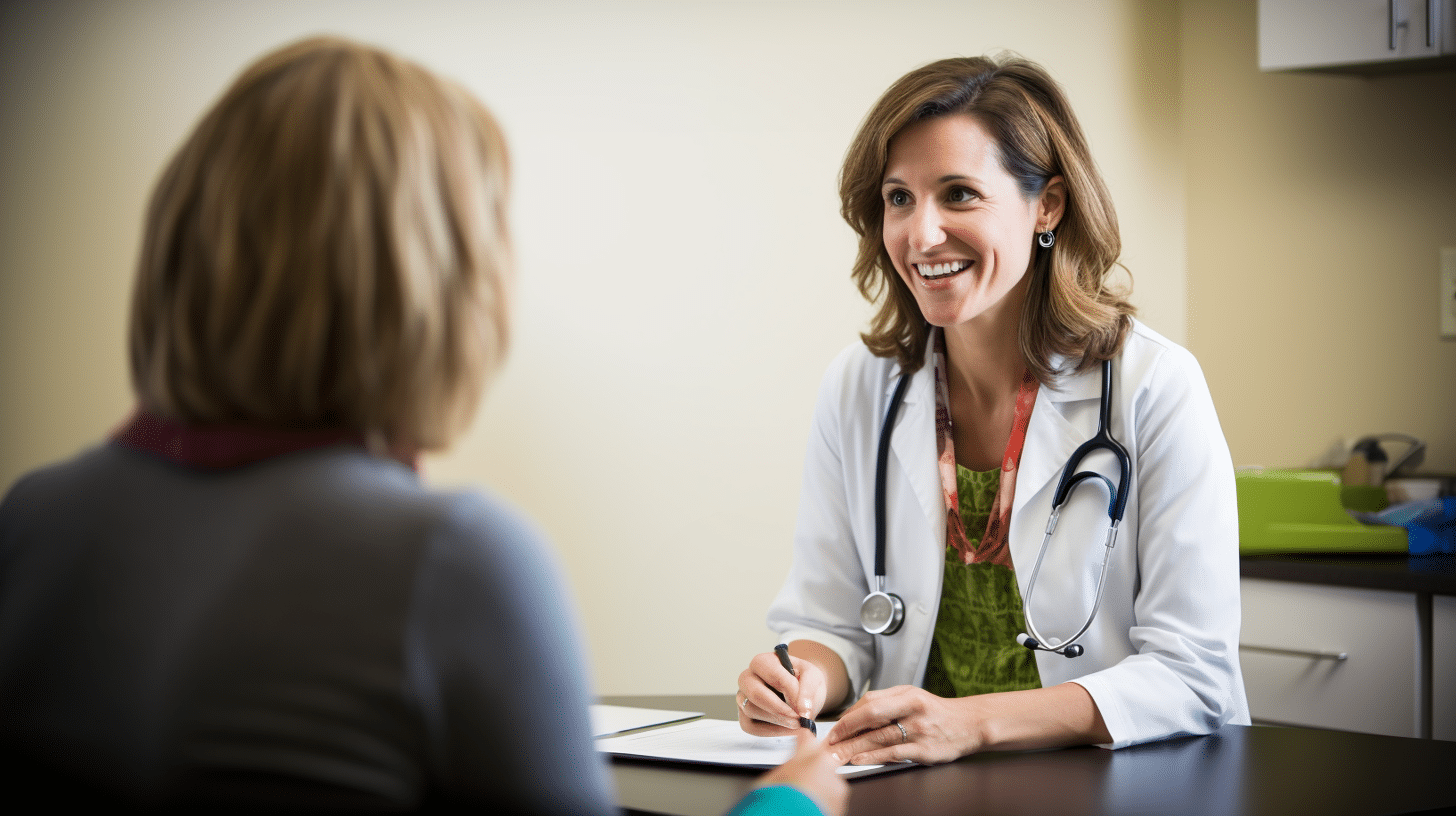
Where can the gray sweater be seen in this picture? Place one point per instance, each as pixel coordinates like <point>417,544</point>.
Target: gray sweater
<point>314,628</point>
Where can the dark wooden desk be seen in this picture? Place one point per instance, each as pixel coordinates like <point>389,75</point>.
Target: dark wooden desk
<point>1238,770</point>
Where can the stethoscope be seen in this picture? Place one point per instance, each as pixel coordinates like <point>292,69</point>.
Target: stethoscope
<point>882,613</point>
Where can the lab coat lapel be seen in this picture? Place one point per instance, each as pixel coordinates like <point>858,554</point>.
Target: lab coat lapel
<point>1051,439</point>
<point>913,443</point>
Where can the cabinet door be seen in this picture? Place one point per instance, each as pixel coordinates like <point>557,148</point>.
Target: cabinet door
<point>1443,667</point>
<point>1293,639</point>
<point>1319,33</point>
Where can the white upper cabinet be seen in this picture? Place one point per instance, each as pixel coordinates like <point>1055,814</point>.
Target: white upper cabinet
<point>1356,35</point>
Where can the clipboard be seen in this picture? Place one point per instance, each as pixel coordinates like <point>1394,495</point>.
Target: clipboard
<point>607,720</point>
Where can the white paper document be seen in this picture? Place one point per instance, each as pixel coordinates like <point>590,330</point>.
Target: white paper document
<point>613,719</point>
<point>714,742</point>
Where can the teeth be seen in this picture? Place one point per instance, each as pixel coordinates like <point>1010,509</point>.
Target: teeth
<point>940,270</point>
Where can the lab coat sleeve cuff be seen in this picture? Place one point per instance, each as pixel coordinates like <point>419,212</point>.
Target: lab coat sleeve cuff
<point>1114,715</point>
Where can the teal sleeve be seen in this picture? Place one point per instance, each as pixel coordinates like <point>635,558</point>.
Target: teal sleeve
<point>776,800</point>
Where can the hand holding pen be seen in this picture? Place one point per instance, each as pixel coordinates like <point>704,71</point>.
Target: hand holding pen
<point>797,685</point>
<point>782,650</point>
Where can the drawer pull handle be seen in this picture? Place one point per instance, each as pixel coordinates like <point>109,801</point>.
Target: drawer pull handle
<point>1310,653</point>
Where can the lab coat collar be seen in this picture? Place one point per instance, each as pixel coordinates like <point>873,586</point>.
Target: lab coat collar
<point>922,383</point>
<point>1069,387</point>
<point>1050,438</point>
<point>1072,387</point>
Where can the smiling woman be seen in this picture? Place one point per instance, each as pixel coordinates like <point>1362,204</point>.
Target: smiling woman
<point>955,221</point>
<point>1033,137</point>
<point>986,238</point>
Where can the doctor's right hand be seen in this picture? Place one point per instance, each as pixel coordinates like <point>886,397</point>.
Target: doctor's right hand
<point>761,712</point>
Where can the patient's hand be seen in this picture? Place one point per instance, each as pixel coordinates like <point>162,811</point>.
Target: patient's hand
<point>812,770</point>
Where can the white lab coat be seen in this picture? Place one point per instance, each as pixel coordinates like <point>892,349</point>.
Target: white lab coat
<point>1162,653</point>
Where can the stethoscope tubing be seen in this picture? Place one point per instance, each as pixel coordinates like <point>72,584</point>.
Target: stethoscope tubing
<point>1064,648</point>
<point>1102,440</point>
<point>881,612</point>
<point>882,461</point>
<point>1116,504</point>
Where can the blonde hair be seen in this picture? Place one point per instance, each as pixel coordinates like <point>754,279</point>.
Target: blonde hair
<point>329,248</point>
<point>1071,310</point>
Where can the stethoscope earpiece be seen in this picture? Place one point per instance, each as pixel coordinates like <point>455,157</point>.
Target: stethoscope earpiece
<point>1073,650</point>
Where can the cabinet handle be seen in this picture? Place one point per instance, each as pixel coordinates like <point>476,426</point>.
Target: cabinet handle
<point>1396,17</point>
<point>1313,654</point>
<point>1433,19</point>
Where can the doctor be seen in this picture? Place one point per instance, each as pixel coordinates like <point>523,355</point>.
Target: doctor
<point>987,239</point>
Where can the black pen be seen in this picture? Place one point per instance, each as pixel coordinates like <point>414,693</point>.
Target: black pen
<point>782,650</point>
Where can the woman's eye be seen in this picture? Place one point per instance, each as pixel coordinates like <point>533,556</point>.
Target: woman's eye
<point>897,198</point>
<point>960,195</point>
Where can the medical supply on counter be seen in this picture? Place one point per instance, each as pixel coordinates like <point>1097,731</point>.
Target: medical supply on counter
<point>1301,511</point>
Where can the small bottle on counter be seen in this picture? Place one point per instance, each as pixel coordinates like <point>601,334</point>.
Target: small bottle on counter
<point>1367,465</point>
<point>1377,462</point>
<point>1357,470</point>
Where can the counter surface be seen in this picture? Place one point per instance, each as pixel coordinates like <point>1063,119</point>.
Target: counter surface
<point>1434,574</point>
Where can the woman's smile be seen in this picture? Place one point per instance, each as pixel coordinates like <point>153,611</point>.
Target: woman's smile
<point>940,271</point>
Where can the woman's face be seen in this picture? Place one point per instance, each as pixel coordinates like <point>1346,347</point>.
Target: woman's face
<point>956,225</point>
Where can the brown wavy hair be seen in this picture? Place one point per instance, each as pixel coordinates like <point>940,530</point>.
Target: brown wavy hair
<point>328,248</point>
<point>1071,309</point>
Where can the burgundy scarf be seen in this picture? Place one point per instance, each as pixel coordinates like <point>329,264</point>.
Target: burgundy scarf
<point>230,445</point>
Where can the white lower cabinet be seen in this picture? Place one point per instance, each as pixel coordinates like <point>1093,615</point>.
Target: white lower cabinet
<point>1443,667</point>
<point>1332,657</point>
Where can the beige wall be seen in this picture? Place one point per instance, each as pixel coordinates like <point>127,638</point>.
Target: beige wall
<point>1317,205</point>
<point>683,267</point>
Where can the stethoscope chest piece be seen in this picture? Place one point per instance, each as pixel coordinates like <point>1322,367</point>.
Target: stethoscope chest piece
<point>882,613</point>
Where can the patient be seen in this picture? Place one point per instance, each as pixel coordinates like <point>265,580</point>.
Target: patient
<point>246,598</point>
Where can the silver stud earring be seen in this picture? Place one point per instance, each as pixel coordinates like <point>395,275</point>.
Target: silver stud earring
<point>1046,239</point>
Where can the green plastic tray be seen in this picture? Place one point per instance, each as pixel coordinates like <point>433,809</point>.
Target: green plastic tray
<point>1301,511</point>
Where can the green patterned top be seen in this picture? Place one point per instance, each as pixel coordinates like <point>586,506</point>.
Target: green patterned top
<point>974,650</point>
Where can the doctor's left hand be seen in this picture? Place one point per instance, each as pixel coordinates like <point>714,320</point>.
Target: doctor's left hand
<point>905,723</point>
